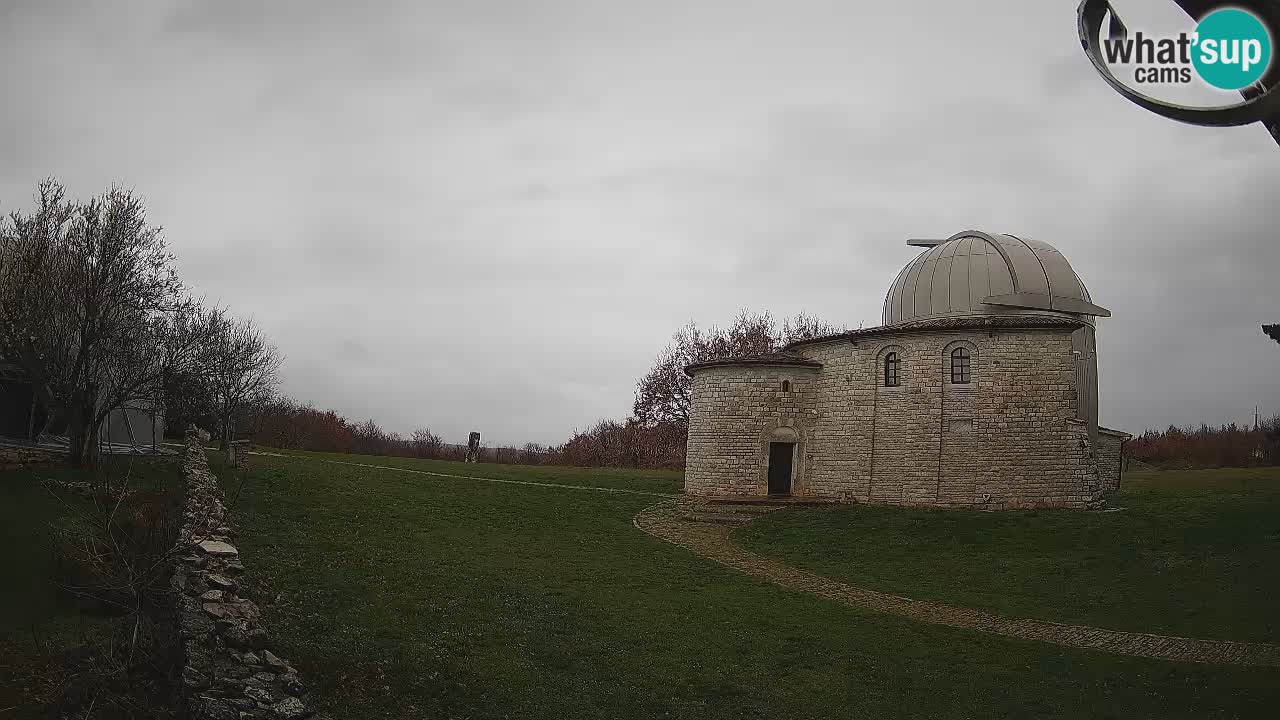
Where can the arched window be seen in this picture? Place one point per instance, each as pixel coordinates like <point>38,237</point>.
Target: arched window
<point>786,386</point>
<point>960,370</point>
<point>891,370</point>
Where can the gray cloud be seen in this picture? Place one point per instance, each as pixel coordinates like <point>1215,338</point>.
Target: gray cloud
<point>492,215</point>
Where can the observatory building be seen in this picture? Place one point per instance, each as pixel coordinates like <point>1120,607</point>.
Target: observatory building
<point>980,390</point>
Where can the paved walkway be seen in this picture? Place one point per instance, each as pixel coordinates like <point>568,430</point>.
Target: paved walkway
<point>673,521</point>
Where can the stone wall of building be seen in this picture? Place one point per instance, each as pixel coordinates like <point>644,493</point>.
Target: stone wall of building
<point>738,411</point>
<point>1006,440</point>
<point>1110,457</point>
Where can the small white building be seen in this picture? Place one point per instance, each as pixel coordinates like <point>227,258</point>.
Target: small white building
<point>138,426</point>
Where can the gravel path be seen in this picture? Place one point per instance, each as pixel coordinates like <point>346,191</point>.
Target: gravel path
<point>673,522</point>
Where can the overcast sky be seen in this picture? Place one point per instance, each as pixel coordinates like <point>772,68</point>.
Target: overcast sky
<point>491,216</point>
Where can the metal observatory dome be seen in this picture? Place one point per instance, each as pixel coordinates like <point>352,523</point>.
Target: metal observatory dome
<point>977,273</point>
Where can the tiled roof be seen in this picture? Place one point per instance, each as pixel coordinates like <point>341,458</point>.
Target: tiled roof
<point>954,323</point>
<point>785,358</point>
<point>767,359</point>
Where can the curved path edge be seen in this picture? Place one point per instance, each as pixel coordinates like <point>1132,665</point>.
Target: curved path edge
<point>666,521</point>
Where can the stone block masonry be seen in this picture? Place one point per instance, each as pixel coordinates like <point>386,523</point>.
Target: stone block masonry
<point>230,672</point>
<point>737,410</point>
<point>1110,457</point>
<point>1009,438</point>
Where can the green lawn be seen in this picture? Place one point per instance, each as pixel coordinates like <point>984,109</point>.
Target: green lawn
<point>657,481</point>
<point>47,636</point>
<point>29,516</point>
<point>407,595</point>
<point>1192,553</point>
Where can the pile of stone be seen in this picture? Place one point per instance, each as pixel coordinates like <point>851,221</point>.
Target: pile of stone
<point>72,487</point>
<point>230,671</point>
<point>26,456</point>
<point>112,491</point>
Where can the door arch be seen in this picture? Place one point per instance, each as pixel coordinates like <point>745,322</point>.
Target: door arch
<point>783,442</point>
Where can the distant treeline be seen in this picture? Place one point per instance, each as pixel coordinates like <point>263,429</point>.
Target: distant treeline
<point>1209,447</point>
<point>284,423</point>
<point>656,433</point>
<point>654,436</point>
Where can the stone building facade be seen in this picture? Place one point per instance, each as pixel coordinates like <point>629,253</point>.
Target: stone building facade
<point>979,391</point>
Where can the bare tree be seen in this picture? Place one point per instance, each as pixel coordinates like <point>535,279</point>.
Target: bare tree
<point>662,395</point>
<point>188,398</point>
<point>806,327</point>
<point>426,444</point>
<point>370,438</point>
<point>94,312</point>
<point>242,368</point>
<point>533,454</point>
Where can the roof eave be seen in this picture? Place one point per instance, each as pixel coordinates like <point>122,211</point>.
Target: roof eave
<point>988,322</point>
<point>748,362</point>
<point>1038,301</point>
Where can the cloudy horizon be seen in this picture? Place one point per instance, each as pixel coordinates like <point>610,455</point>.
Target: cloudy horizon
<point>493,216</point>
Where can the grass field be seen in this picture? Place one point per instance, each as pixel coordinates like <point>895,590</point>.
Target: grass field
<point>1192,553</point>
<point>51,643</point>
<point>405,595</point>
<point>657,481</point>
<point>29,516</point>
